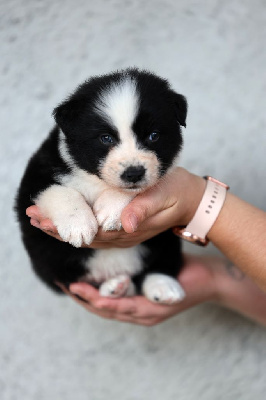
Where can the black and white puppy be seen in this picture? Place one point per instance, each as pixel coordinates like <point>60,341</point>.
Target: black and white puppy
<point>116,136</point>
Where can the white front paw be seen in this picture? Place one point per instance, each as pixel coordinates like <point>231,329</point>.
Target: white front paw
<point>77,228</point>
<point>108,208</point>
<point>69,212</point>
<point>163,289</point>
<point>108,222</point>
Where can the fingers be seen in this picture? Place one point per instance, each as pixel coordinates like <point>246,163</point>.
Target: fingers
<point>91,296</point>
<point>85,301</point>
<point>135,310</point>
<point>139,209</point>
<point>102,239</point>
<point>123,309</point>
<point>144,206</point>
<point>84,290</point>
<point>196,278</point>
<point>37,220</point>
<point>33,212</point>
<point>165,196</point>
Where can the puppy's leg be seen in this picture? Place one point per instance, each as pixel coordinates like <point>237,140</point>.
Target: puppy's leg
<point>119,286</point>
<point>70,214</point>
<point>162,289</point>
<point>108,208</point>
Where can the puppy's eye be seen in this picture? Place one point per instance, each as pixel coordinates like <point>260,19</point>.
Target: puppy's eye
<point>154,136</point>
<point>107,139</point>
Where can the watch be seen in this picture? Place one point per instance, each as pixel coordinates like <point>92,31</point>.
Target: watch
<point>207,212</point>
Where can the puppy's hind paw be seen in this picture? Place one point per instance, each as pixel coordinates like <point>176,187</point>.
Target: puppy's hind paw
<point>163,289</point>
<point>115,287</point>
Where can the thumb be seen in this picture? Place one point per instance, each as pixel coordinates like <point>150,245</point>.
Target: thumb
<point>142,207</point>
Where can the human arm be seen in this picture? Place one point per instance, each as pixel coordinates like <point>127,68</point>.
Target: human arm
<point>205,279</point>
<point>239,231</point>
<point>174,202</point>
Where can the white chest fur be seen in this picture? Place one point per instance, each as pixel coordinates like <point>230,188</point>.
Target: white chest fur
<point>108,263</point>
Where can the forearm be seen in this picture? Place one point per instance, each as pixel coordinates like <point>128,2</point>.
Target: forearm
<point>240,233</point>
<point>237,292</point>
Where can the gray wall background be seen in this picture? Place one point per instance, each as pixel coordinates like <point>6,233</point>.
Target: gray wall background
<point>213,52</point>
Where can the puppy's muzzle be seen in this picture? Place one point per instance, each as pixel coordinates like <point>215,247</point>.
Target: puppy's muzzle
<point>133,174</point>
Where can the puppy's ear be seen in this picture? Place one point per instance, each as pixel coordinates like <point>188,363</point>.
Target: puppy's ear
<point>180,104</point>
<point>67,113</point>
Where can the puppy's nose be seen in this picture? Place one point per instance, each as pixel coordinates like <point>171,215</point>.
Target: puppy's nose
<point>133,174</point>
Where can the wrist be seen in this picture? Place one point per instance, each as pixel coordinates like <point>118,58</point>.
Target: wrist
<point>208,210</point>
<point>193,191</point>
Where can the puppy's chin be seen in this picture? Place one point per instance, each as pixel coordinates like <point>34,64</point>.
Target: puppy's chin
<point>136,189</point>
<point>131,188</point>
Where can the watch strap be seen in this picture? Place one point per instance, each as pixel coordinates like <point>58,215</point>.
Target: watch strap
<point>207,212</point>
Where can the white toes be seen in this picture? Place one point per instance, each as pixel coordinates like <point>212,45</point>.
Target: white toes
<point>108,208</point>
<point>69,212</point>
<point>162,289</point>
<point>108,220</point>
<point>77,228</point>
<point>115,287</point>
<point>109,223</point>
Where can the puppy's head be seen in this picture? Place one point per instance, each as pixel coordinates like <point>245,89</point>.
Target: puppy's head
<point>124,127</point>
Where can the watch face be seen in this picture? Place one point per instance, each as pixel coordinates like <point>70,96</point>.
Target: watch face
<point>183,234</point>
<point>210,178</point>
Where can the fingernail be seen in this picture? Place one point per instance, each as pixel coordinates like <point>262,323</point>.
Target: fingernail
<point>46,228</point>
<point>133,222</point>
<point>31,214</point>
<point>35,223</point>
<point>75,290</point>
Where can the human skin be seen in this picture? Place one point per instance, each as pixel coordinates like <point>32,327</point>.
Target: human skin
<point>204,279</point>
<point>239,232</point>
<point>156,210</point>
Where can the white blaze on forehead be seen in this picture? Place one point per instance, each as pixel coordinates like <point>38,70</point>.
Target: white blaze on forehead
<point>118,104</point>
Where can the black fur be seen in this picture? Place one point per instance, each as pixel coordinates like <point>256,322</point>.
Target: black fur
<point>160,109</point>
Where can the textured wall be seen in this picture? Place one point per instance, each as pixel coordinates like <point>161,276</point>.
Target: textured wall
<point>214,53</point>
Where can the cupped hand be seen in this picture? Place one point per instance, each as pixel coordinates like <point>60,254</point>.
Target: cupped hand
<point>171,202</point>
<point>197,278</point>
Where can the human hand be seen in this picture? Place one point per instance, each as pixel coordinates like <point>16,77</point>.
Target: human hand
<point>197,278</point>
<point>172,202</point>
<point>204,279</point>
